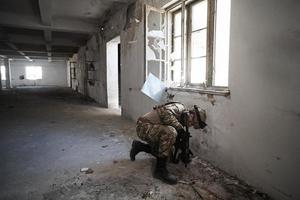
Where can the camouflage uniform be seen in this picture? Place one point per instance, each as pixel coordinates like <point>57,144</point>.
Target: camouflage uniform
<point>159,128</point>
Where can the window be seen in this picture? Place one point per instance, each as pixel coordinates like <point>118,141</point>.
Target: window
<point>155,42</point>
<point>33,72</point>
<point>3,73</point>
<point>198,33</point>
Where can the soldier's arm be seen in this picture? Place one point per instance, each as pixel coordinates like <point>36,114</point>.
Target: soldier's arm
<point>167,118</point>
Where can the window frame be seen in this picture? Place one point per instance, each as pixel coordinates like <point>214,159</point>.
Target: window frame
<point>172,39</point>
<point>208,86</point>
<point>148,8</point>
<point>189,33</point>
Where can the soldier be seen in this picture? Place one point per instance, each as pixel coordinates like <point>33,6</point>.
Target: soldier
<point>159,128</point>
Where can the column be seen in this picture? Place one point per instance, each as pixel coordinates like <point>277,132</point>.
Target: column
<point>7,71</point>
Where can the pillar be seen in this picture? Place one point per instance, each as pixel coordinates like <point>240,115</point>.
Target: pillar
<point>7,71</point>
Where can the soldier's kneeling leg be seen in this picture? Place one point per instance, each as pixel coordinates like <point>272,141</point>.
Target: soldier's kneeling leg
<point>138,147</point>
<point>166,141</point>
<point>167,138</point>
<point>162,173</point>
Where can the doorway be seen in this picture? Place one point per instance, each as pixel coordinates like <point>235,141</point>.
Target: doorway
<point>113,60</point>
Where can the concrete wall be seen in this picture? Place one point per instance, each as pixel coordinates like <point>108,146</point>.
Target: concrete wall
<point>253,133</point>
<point>265,101</point>
<point>54,73</point>
<point>134,103</point>
<point>95,51</point>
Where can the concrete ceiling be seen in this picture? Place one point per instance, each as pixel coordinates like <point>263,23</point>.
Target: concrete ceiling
<point>49,29</point>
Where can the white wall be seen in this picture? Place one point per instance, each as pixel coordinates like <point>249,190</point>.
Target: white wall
<point>54,73</point>
<point>265,100</point>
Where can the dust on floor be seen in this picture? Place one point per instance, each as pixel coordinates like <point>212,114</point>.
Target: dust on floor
<point>48,135</point>
<point>124,179</point>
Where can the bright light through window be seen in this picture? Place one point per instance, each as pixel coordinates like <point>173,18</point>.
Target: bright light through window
<point>222,43</point>
<point>206,45</point>
<point>3,75</point>
<point>33,72</point>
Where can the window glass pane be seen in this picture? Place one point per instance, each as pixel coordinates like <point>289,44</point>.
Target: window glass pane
<point>162,71</point>
<point>177,71</point>
<point>222,43</point>
<point>163,49</point>
<point>198,43</point>
<point>155,41</point>
<point>198,70</point>
<point>33,72</point>
<point>199,15</point>
<point>177,24</point>
<point>3,73</point>
<point>153,67</point>
<point>176,49</point>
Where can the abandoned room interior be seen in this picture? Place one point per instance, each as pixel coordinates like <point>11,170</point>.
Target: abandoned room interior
<point>78,77</point>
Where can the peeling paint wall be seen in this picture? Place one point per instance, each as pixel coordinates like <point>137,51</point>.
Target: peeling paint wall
<point>253,133</point>
<point>95,52</point>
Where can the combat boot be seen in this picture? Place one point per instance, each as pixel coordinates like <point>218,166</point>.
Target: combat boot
<point>138,147</point>
<point>162,173</point>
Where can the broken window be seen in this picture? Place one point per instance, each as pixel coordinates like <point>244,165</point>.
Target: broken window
<point>3,73</point>
<point>198,33</point>
<point>155,42</point>
<point>33,72</point>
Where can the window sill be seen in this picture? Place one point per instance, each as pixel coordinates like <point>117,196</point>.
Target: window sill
<point>213,91</point>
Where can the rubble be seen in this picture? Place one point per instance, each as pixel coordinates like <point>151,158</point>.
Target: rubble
<point>86,170</point>
<point>123,179</point>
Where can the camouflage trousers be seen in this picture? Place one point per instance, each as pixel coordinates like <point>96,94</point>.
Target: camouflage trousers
<point>161,138</point>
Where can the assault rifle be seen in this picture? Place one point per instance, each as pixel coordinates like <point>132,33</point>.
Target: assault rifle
<point>183,143</point>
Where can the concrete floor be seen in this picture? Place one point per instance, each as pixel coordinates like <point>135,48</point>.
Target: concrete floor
<point>48,134</point>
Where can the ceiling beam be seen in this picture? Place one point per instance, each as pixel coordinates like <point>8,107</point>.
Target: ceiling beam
<point>30,51</point>
<point>46,18</point>
<point>58,24</point>
<point>46,12</point>
<point>49,54</point>
<point>41,58</point>
<point>36,56</point>
<point>39,40</point>
<point>11,45</point>
<point>48,36</point>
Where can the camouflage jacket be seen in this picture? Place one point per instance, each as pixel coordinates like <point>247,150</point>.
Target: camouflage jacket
<point>165,115</point>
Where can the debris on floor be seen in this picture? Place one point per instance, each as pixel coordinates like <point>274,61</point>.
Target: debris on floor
<point>147,195</point>
<point>86,170</point>
<point>133,180</point>
<point>108,173</point>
